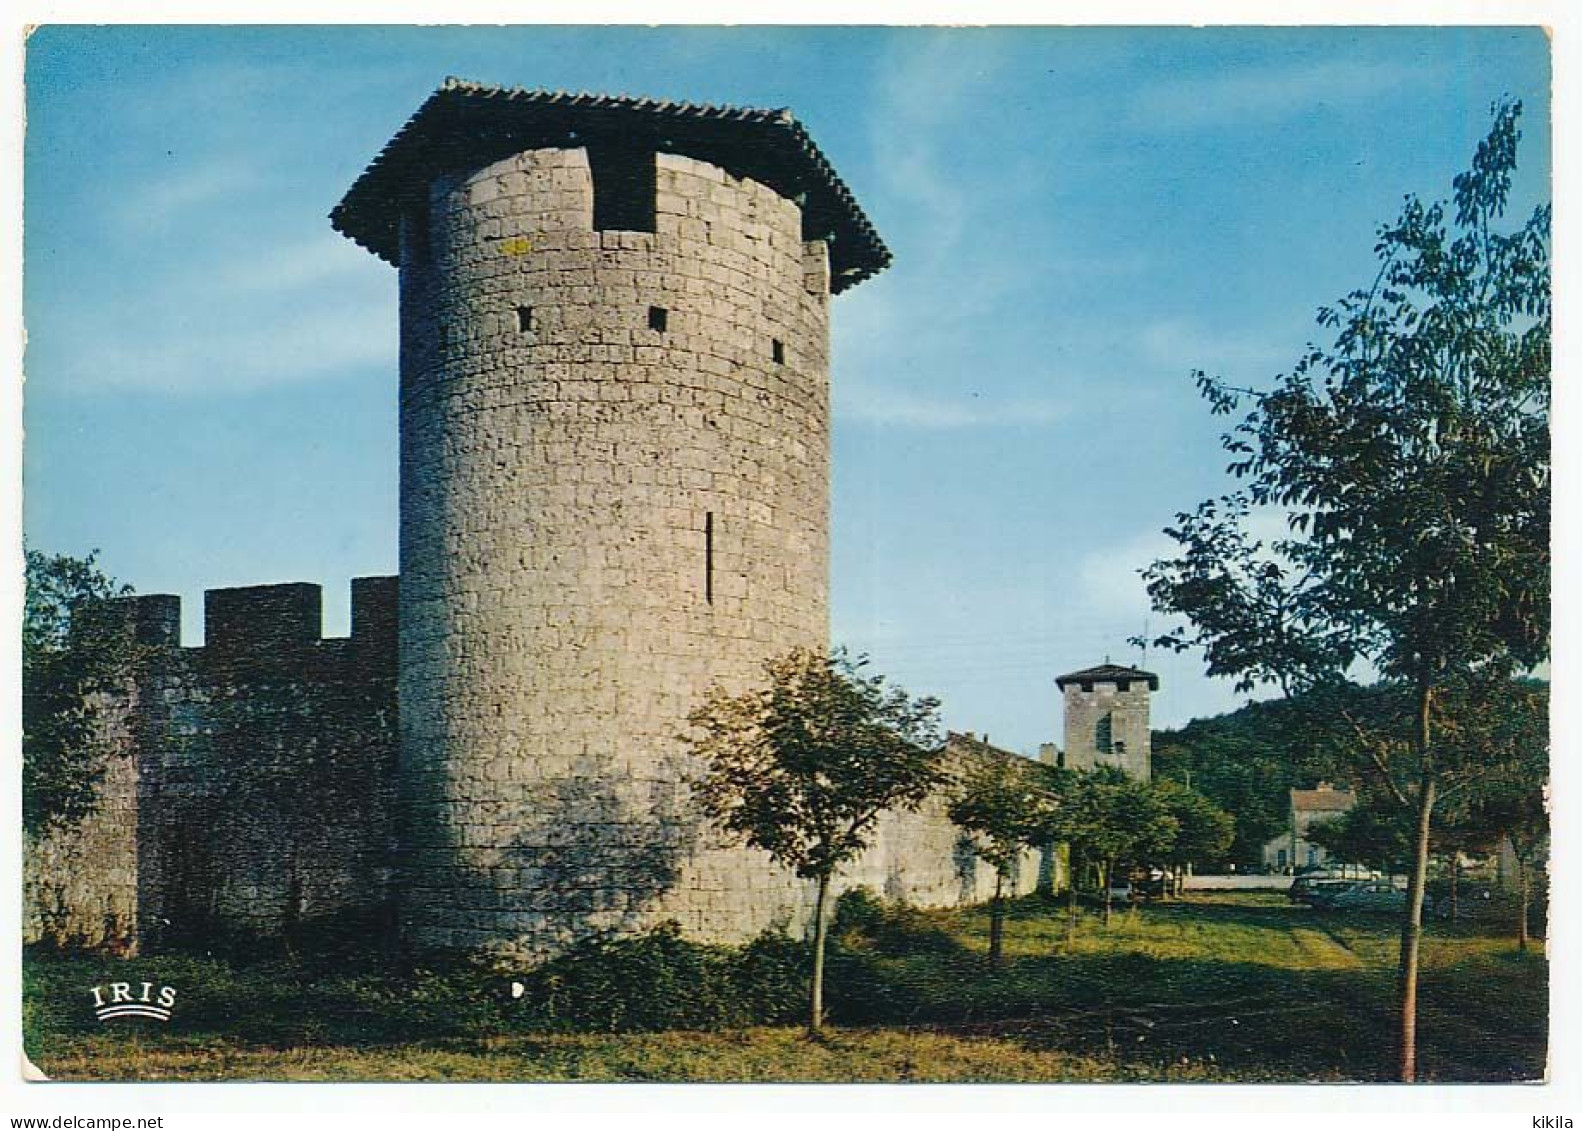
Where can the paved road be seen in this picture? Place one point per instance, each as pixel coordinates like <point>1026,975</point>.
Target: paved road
<point>1237,883</point>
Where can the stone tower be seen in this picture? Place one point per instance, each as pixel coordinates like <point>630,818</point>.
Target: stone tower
<point>614,413</point>
<point>1107,718</point>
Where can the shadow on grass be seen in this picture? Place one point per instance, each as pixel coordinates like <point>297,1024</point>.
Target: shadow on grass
<point>1483,1015</point>
<point>1483,1018</point>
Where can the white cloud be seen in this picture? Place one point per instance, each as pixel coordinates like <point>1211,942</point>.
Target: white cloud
<point>307,262</point>
<point>1184,342</point>
<point>168,198</point>
<point>927,82</point>
<point>873,404</point>
<point>243,317</point>
<point>216,353</point>
<point>1109,581</point>
<point>1250,95</point>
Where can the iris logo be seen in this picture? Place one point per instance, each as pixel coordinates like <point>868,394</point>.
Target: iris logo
<point>118,999</point>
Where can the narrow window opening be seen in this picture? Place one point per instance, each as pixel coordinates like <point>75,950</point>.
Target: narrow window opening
<point>658,318</point>
<point>708,557</point>
<point>624,188</point>
<point>1103,735</point>
<point>524,319</point>
<point>778,349</point>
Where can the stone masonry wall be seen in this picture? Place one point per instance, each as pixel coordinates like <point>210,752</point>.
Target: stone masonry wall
<point>248,796</point>
<point>922,857</point>
<point>1123,740</point>
<point>249,793</point>
<point>79,881</point>
<point>604,510</point>
<point>272,751</point>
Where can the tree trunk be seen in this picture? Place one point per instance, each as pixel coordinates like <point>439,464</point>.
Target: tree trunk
<point>1104,878</point>
<point>1412,929</point>
<point>815,1021</point>
<point>1455,876</point>
<point>1524,896</point>
<point>1071,900</point>
<point>997,920</point>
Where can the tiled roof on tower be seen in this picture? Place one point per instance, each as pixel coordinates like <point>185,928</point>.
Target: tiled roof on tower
<point>1108,673</point>
<point>465,124</point>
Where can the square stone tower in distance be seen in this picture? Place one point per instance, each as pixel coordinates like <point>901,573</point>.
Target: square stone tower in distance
<point>614,413</point>
<point>1106,711</point>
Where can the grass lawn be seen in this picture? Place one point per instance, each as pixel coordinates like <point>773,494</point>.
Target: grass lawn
<point>1218,987</point>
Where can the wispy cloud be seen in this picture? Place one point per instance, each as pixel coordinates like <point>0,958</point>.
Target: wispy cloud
<point>169,196</point>
<point>1264,94</point>
<point>928,83</point>
<point>1185,342</point>
<point>870,404</point>
<point>1109,577</point>
<point>231,322</point>
<point>231,355</point>
<point>310,262</point>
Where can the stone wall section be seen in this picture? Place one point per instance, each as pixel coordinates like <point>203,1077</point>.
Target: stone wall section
<point>249,797</point>
<point>80,880</point>
<point>249,791</point>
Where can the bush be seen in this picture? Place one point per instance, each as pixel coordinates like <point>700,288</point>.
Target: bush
<point>658,981</point>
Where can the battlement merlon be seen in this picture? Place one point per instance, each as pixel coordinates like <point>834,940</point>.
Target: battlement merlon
<point>375,610</point>
<point>768,146</point>
<point>154,619</point>
<point>247,618</point>
<point>251,617</point>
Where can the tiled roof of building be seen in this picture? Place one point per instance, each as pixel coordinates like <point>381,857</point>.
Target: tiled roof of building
<point>465,124</point>
<point>1108,673</point>
<point>1322,800</point>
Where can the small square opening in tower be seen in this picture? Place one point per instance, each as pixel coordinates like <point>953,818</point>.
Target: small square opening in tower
<point>777,350</point>
<point>658,319</point>
<point>524,319</point>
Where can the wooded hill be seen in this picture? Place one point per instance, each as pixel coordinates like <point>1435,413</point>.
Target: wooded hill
<point>1247,761</point>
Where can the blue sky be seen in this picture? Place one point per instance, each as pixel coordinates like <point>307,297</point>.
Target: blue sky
<point>1080,217</point>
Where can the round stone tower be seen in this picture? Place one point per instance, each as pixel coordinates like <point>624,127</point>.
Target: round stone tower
<point>614,413</point>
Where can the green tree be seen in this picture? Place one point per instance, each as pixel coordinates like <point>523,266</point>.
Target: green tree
<point>1411,459</point>
<point>1108,820</point>
<point>1003,808</point>
<point>1247,761</point>
<point>803,767</point>
<point>77,656</point>
<point>1203,833</point>
<point>1372,834</point>
<point>1509,725</point>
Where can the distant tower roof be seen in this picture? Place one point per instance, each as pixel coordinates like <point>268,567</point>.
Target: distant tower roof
<point>465,125</point>
<point>1108,673</point>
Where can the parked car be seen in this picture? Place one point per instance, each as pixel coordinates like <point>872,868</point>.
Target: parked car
<point>1305,887</point>
<point>1378,896</point>
<point>1120,889</point>
<point>1150,884</point>
<point>1323,895</point>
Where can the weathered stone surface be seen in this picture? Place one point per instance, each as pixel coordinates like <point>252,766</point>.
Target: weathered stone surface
<point>1108,726</point>
<point>614,496</point>
<point>249,791</point>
